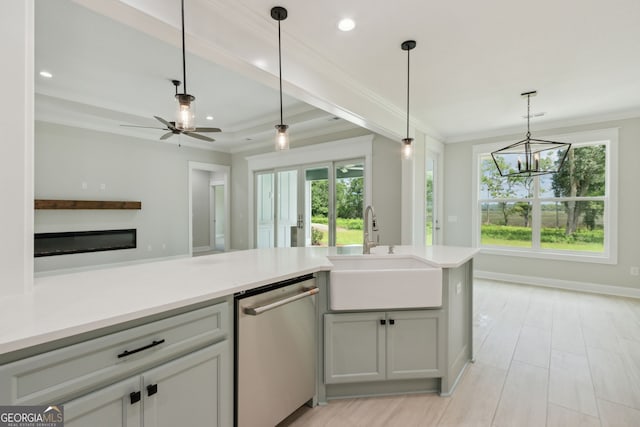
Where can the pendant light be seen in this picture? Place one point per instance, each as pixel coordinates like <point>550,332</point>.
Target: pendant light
<point>185,114</point>
<point>282,136</point>
<point>407,149</point>
<point>530,157</point>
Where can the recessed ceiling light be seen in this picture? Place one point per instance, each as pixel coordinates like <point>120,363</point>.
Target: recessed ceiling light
<point>46,74</point>
<point>209,117</point>
<point>346,24</point>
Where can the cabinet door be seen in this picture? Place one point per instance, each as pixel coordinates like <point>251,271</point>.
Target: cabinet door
<point>412,344</point>
<point>354,347</point>
<point>191,391</point>
<point>108,407</point>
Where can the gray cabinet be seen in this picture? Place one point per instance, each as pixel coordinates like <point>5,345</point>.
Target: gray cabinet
<point>188,391</point>
<point>354,347</point>
<point>412,345</point>
<point>175,371</point>
<point>108,407</point>
<point>375,346</point>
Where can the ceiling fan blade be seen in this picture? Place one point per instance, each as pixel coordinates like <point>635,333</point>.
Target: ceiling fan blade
<point>144,127</point>
<point>163,121</point>
<point>208,130</point>
<point>202,137</point>
<point>166,135</point>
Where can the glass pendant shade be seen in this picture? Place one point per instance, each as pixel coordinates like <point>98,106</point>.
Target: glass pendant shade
<point>282,137</point>
<point>407,148</point>
<point>186,112</point>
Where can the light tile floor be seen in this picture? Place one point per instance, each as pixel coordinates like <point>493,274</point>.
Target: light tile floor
<point>544,357</point>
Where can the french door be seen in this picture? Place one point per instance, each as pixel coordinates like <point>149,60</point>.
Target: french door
<point>433,234</point>
<point>309,205</point>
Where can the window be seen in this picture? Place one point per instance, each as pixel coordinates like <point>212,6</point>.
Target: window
<point>568,215</point>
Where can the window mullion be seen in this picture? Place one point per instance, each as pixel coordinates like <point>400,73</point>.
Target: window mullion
<point>536,220</point>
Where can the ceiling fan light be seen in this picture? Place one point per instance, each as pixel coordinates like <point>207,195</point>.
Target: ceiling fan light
<point>282,137</point>
<point>186,112</point>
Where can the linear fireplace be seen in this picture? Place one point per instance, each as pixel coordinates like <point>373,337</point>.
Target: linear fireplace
<point>75,242</point>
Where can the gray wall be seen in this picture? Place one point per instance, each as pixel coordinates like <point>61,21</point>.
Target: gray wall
<point>458,199</point>
<point>152,172</point>
<point>386,187</point>
<point>201,205</point>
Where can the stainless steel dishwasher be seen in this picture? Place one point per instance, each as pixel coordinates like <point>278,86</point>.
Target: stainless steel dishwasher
<point>275,348</point>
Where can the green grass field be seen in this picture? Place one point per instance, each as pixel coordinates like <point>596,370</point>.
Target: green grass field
<point>577,246</point>
<point>345,237</point>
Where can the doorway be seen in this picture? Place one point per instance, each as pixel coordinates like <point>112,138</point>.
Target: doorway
<point>311,205</point>
<point>209,208</point>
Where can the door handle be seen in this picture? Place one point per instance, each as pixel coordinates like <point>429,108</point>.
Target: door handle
<point>146,347</point>
<point>254,311</point>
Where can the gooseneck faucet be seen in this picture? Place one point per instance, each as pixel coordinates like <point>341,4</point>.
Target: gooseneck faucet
<point>367,244</point>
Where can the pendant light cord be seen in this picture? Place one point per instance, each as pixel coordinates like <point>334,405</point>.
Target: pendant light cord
<point>184,64</point>
<point>408,82</point>
<point>280,71</point>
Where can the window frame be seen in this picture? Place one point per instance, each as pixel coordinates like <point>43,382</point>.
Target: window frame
<point>607,137</point>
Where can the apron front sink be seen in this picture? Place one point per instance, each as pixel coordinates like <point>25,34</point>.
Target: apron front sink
<point>371,282</point>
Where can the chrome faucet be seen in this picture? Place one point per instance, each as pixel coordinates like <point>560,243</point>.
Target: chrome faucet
<point>368,244</point>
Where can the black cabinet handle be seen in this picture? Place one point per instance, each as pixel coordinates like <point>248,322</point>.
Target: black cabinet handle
<point>148,346</point>
<point>152,389</point>
<point>392,322</point>
<point>383,322</point>
<point>135,397</point>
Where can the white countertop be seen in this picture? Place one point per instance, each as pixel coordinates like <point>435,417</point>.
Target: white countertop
<point>69,304</point>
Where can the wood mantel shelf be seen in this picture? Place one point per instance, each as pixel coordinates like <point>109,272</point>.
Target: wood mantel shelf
<point>85,204</point>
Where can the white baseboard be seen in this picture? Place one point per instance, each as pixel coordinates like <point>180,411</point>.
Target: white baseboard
<point>596,288</point>
<point>201,249</point>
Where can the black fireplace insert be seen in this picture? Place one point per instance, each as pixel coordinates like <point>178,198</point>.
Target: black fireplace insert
<point>75,242</point>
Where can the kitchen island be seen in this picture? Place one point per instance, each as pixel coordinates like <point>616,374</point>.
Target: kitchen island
<point>70,315</point>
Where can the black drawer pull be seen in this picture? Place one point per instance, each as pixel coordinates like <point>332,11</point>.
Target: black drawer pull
<point>135,397</point>
<point>152,389</point>
<point>129,353</point>
<point>383,322</point>
<point>392,322</point>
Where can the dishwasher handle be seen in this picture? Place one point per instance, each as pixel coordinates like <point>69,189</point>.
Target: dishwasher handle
<point>254,311</point>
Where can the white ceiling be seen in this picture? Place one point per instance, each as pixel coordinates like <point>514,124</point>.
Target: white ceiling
<point>472,61</point>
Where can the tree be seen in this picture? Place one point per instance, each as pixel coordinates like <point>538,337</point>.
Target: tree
<point>509,187</point>
<point>582,175</point>
<point>320,198</point>
<point>349,197</point>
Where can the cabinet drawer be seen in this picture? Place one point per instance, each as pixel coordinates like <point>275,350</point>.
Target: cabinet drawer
<point>59,374</point>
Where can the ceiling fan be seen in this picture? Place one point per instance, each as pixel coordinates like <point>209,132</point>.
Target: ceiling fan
<point>173,130</point>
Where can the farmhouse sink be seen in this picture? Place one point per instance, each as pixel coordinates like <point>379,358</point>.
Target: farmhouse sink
<point>383,282</point>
